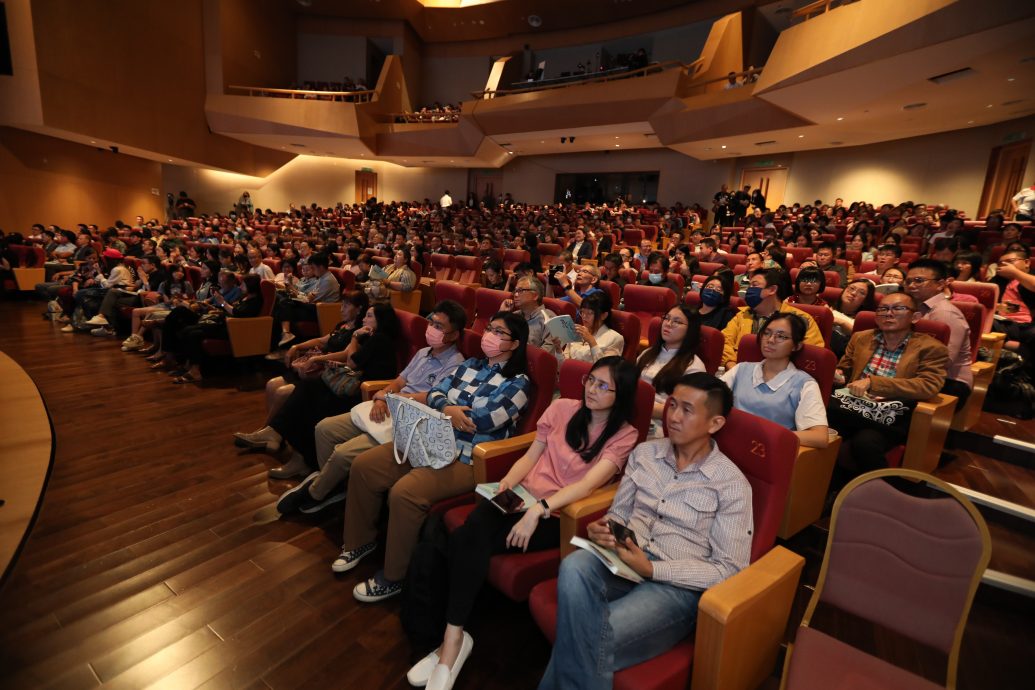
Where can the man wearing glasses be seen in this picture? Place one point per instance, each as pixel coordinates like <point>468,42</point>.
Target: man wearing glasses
<point>925,281</point>
<point>891,362</point>
<point>528,301</point>
<point>339,440</point>
<point>1013,313</point>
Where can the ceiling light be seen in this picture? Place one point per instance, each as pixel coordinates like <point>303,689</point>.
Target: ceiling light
<point>970,122</point>
<point>724,146</point>
<point>839,119</point>
<point>989,105</point>
<point>1009,79</point>
<point>616,137</point>
<point>618,146</point>
<point>93,142</point>
<point>801,136</point>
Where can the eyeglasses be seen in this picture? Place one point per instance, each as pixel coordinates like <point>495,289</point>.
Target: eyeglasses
<point>898,309</point>
<point>593,382</point>
<point>674,321</point>
<point>916,280</point>
<point>775,335</point>
<point>518,291</point>
<point>499,332</point>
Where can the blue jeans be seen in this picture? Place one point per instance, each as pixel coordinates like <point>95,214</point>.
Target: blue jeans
<point>606,623</point>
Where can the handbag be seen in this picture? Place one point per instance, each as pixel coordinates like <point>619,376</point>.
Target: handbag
<point>380,431</point>
<point>885,413</point>
<point>304,366</point>
<point>343,381</point>
<point>425,436</point>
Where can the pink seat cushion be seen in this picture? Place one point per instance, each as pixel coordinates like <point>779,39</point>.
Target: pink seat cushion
<point>822,662</point>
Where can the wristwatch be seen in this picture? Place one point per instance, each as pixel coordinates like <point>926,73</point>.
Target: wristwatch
<point>546,508</point>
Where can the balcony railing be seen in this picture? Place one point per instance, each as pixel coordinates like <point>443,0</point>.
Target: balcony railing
<point>340,96</point>
<point>581,79</point>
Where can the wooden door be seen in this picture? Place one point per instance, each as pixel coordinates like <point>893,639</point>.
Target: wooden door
<point>366,185</point>
<point>485,184</point>
<point>772,182</point>
<point>1005,177</point>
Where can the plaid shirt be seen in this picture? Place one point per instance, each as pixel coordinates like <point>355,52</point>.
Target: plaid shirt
<point>495,401</point>
<point>884,362</point>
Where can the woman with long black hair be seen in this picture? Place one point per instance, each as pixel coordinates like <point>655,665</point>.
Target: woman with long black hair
<point>579,446</point>
<point>672,355</point>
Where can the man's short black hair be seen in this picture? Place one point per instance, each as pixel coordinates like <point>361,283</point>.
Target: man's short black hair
<point>719,395</point>
<point>654,257</point>
<point>778,277</point>
<point>319,259</point>
<point>933,265</point>
<point>1018,249</point>
<point>891,247</point>
<point>453,312</point>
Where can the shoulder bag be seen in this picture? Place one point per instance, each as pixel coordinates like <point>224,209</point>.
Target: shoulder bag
<point>423,436</point>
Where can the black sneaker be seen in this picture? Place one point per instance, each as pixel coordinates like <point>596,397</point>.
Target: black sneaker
<point>298,497</point>
<point>350,558</point>
<point>376,589</point>
<point>315,506</point>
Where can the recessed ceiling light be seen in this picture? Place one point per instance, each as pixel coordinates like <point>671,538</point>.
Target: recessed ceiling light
<point>989,105</point>
<point>724,146</point>
<point>970,122</point>
<point>707,148</point>
<point>542,141</point>
<point>170,160</point>
<point>93,142</point>
<point>801,136</point>
<point>618,146</point>
<point>616,137</point>
<point>1009,79</point>
<point>839,119</point>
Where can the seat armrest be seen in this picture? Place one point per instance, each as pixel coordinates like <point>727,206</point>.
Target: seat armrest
<point>587,509</point>
<point>741,623</point>
<point>493,459</point>
<point>994,342</point>
<point>251,336</point>
<point>368,388</point>
<point>927,431</point>
<point>328,315</point>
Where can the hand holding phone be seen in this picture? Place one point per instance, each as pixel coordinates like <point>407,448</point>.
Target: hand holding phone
<point>621,532</point>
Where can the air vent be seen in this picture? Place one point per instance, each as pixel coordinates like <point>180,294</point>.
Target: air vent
<point>951,76</point>
<point>914,106</point>
<point>765,143</point>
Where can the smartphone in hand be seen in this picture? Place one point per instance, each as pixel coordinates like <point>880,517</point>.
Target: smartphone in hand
<point>508,501</point>
<point>621,532</point>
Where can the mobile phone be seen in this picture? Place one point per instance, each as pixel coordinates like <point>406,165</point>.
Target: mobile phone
<point>508,501</point>
<point>621,532</point>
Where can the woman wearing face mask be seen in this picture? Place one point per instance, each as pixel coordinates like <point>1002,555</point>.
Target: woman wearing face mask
<point>579,446</point>
<point>775,389</point>
<point>715,309</point>
<point>371,350</point>
<point>354,305</point>
<point>657,273</point>
<point>596,340</point>
<point>483,398</point>
<point>672,355</point>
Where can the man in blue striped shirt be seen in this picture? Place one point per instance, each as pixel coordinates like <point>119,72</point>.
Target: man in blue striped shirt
<point>690,509</point>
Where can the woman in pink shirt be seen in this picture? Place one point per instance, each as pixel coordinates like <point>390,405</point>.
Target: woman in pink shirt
<point>579,446</point>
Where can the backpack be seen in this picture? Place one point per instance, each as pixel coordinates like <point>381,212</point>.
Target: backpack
<point>426,590</point>
<point>1011,392</point>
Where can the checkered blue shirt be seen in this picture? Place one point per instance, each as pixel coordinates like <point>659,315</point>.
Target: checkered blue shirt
<point>495,401</point>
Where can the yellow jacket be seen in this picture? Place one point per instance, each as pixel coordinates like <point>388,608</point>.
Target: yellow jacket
<point>740,325</point>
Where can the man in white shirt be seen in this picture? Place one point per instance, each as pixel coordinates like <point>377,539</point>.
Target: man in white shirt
<point>1023,203</point>
<point>446,201</point>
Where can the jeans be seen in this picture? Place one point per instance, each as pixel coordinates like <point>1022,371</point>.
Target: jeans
<point>606,623</point>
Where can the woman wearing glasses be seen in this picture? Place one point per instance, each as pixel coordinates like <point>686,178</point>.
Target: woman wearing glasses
<point>775,389</point>
<point>672,355</point>
<point>596,340</point>
<point>808,288</point>
<point>857,296</point>
<point>483,398</point>
<point>579,446</point>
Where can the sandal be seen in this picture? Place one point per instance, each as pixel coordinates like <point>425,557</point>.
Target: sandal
<point>186,378</point>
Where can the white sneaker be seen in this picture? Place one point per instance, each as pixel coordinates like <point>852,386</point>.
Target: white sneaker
<point>132,343</point>
<point>68,329</point>
<point>285,339</point>
<point>98,320</point>
<point>442,677</point>
<point>102,332</point>
<point>419,674</point>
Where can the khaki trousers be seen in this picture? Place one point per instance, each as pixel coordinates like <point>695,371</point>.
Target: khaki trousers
<point>338,443</point>
<point>411,492</point>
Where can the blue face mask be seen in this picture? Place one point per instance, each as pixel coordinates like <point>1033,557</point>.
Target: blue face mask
<point>656,278</point>
<point>711,297</point>
<point>753,297</point>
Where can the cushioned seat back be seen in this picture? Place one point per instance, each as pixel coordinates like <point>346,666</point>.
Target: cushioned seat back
<point>765,452</point>
<point>823,317</point>
<point>987,295</point>
<point>550,253</point>
<point>471,344</point>
<point>692,299</point>
<point>818,362</point>
<point>559,306</point>
<point>974,313</point>
<point>513,257</point>
<point>413,329</point>
<point>612,290</point>
<point>629,326</point>
<point>571,387</point>
<point>464,294</point>
<point>866,321</point>
<point>646,300</point>
<point>632,236</point>
<point>629,275</point>
<point>906,563</point>
<point>468,269</point>
<point>268,290</point>
<point>441,266</point>
<point>487,302</point>
<point>542,369</point>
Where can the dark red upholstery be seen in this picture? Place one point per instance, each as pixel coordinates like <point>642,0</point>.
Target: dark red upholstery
<point>830,295</point>
<point>513,257</point>
<point>710,267</point>
<point>629,275</point>
<point>346,278</point>
<point>487,303</point>
<point>818,362</point>
<point>464,294</point>
<point>442,266</point>
<point>468,269</point>
<point>974,313</point>
<point>613,290</point>
<point>560,306</point>
<point>800,254</point>
<point>632,236</point>
<point>692,299</point>
<point>550,253</point>
<point>823,317</point>
<point>709,350</point>
<point>629,326</point>
<point>647,301</point>
<point>570,386</point>
<point>765,452</point>
<point>413,328</point>
<point>987,295</point>
<point>471,344</point>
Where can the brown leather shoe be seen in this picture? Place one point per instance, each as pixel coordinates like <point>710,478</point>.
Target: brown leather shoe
<point>295,467</point>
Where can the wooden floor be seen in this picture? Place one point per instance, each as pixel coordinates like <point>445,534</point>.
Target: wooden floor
<point>158,559</point>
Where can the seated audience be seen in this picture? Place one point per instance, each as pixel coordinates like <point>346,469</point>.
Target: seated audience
<point>579,446</point>
<point>483,398</point>
<point>657,274</point>
<point>606,623</point>
<point>715,309</point>
<point>300,304</point>
<point>775,389</point>
<point>670,356</point>
<point>596,340</point>
<point>808,288</point>
<point>1017,301</point>
<point>856,297</point>
<point>527,300</point>
<point>585,284</point>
